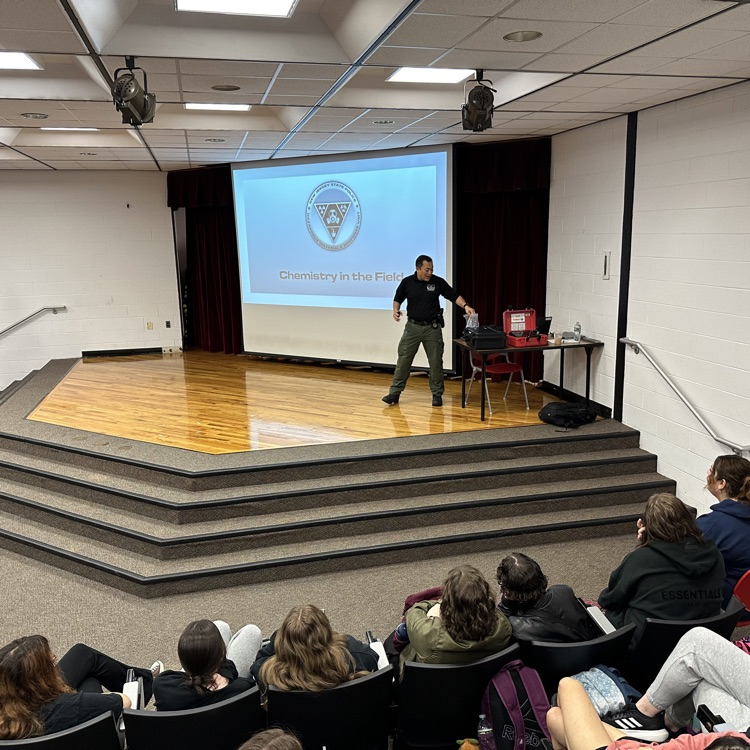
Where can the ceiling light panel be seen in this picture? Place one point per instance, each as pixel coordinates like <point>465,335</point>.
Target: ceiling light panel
<point>430,75</point>
<point>218,107</point>
<point>275,8</point>
<point>17,61</point>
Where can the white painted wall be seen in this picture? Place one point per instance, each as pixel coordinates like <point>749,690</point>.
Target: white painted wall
<point>586,203</point>
<point>68,238</point>
<point>690,282</point>
<point>690,275</point>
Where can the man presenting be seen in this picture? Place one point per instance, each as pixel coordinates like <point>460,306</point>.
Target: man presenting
<point>424,325</point>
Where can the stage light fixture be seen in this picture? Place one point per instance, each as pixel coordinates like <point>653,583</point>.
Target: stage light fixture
<point>476,112</point>
<point>130,97</point>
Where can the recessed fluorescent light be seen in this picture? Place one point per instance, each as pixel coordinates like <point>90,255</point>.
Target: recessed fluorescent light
<point>220,107</point>
<point>277,8</point>
<point>17,61</point>
<point>430,75</point>
<point>77,130</point>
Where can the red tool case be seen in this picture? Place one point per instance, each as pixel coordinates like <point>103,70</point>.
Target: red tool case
<point>520,328</point>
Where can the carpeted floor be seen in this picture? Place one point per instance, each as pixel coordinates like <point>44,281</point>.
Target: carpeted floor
<point>67,609</point>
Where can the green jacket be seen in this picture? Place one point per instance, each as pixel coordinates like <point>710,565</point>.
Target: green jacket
<point>429,642</point>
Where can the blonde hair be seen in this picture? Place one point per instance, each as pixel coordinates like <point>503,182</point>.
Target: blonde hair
<point>308,654</point>
<point>271,739</point>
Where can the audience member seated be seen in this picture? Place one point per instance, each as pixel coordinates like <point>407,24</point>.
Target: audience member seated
<point>703,668</point>
<point>271,739</point>
<point>306,654</point>
<point>538,613</point>
<point>38,697</point>
<point>728,523</point>
<point>673,574</point>
<point>216,666</point>
<point>461,627</point>
<point>575,725</point>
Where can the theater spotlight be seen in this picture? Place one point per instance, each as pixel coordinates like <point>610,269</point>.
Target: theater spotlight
<point>130,97</point>
<point>476,113</point>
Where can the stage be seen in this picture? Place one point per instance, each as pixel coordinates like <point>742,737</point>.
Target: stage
<point>223,404</point>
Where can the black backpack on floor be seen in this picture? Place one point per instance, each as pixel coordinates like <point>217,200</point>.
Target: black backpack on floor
<point>567,415</point>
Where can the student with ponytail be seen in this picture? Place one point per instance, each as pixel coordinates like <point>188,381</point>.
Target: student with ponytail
<point>215,666</point>
<point>728,523</point>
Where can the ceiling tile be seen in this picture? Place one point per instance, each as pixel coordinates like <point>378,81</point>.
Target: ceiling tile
<point>554,34</point>
<point>432,30</point>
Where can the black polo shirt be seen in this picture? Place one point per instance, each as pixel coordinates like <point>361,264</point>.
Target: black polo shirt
<point>423,297</point>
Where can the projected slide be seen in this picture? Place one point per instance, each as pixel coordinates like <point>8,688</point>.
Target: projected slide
<point>341,229</point>
<point>324,242</point>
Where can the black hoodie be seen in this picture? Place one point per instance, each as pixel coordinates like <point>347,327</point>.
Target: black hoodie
<point>667,580</point>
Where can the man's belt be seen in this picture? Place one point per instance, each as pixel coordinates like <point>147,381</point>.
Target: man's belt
<point>422,322</point>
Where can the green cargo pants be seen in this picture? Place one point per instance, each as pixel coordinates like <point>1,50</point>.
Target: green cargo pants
<point>432,340</point>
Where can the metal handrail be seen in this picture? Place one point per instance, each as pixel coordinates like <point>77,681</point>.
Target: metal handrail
<point>56,309</point>
<point>638,348</point>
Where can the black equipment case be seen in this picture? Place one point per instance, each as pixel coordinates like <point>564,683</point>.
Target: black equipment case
<point>485,337</point>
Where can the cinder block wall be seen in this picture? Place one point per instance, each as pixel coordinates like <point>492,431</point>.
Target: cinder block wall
<point>69,238</point>
<point>690,277</point>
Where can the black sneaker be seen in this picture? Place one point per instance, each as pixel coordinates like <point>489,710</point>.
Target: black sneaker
<point>390,398</point>
<point>437,400</point>
<point>635,724</point>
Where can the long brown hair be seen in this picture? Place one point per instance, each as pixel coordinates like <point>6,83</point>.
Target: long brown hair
<point>308,654</point>
<point>28,679</point>
<point>468,608</point>
<point>735,471</point>
<point>668,519</point>
<point>201,651</point>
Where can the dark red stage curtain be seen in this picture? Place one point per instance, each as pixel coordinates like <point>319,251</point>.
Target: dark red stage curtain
<point>213,278</point>
<point>501,229</point>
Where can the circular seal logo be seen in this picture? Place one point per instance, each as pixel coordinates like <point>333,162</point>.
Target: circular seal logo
<point>333,215</point>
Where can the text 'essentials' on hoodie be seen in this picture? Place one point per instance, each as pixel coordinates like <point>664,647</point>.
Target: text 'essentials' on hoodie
<point>666,580</point>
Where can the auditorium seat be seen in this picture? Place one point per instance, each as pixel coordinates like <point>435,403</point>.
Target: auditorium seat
<point>440,703</point>
<point>554,661</point>
<point>354,714</point>
<point>659,637</point>
<point>96,734</point>
<point>223,726</point>
<point>742,593</point>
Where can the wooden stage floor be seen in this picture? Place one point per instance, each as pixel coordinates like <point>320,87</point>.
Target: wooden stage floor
<point>218,404</point>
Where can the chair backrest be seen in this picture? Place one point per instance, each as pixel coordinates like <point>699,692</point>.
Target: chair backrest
<point>221,726</point>
<point>96,734</point>
<point>440,703</point>
<point>554,661</point>
<point>354,714</point>
<point>659,637</point>
<point>742,590</point>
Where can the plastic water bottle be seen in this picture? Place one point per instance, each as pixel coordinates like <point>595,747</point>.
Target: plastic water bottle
<point>484,734</point>
<point>577,331</point>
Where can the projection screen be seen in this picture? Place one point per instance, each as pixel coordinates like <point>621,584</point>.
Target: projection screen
<point>323,244</point>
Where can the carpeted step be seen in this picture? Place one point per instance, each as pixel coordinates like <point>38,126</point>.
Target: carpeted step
<point>329,461</point>
<point>184,507</point>
<point>163,540</point>
<point>147,577</point>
